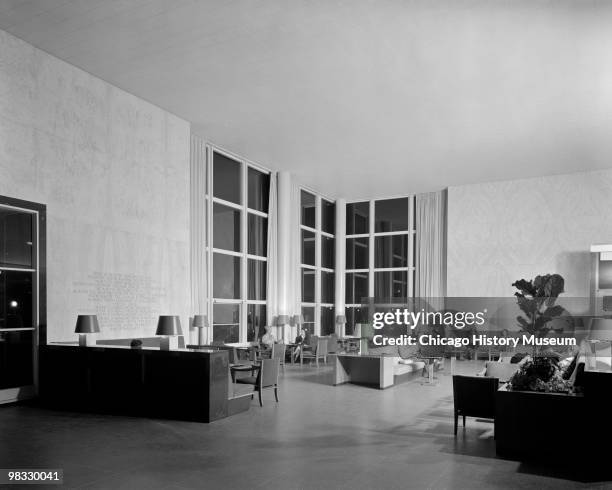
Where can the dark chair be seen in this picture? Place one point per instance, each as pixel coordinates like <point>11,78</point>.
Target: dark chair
<point>267,377</point>
<point>474,396</point>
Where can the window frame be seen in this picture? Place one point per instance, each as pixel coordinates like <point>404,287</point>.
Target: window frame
<point>318,268</point>
<point>244,256</point>
<point>39,291</point>
<point>372,235</point>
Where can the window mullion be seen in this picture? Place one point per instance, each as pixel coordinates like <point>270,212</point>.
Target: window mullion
<point>242,329</point>
<point>371,255</point>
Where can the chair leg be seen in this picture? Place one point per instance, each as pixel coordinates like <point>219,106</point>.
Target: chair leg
<point>276,393</point>
<point>233,376</point>
<point>464,421</point>
<point>456,421</point>
<point>260,402</point>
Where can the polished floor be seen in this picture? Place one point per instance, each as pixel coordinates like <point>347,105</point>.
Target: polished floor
<point>318,436</point>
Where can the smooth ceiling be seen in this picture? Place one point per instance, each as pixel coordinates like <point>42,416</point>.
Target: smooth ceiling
<point>358,98</point>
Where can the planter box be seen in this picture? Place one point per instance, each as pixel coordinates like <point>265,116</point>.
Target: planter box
<point>539,426</point>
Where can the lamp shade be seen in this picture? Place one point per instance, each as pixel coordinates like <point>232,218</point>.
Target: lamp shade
<point>169,325</point>
<point>282,320</point>
<point>297,319</point>
<point>601,329</point>
<point>200,321</point>
<point>340,319</point>
<point>87,324</point>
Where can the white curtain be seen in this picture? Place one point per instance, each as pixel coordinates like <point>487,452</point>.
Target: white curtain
<point>272,272</point>
<point>295,277</point>
<point>199,265</point>
<point>430,253</point>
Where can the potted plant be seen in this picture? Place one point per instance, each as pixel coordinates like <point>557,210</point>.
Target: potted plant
<point>536,299</point>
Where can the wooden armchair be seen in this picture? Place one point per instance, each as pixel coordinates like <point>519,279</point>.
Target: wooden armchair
<point>278,352</point>
<point>267,377</point>
<point>319,351</point>
<point>474,396</point>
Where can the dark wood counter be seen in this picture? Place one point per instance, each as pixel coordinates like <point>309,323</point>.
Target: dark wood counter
<point>178,384</point>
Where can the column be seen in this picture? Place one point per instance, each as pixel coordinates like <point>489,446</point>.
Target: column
<point>340,273</point>
<point>284,251</point>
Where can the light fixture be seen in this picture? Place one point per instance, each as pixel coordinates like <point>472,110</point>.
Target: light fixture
<point>86,325</point>
<point>200,322</point>
<point>282,320</point>
<point>14,304</point>
<point>340,321</point>
<point>169,326</point>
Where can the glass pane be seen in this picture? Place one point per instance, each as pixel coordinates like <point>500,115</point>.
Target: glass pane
<point>357,218</point>
<point>308,209</point>
<point>391,284</point>
<point>327,287</point>
<point>308,247</point>
<point>357,253</point>
<point>257,279</point>
<point>226,228</point>
<point>328,324</point>
<point>328,258</point>
<point>226,323</point>
<point>258,235</point>
<point>356,287</point>
<point>16,238</point>
<point>16,359</point>
<point>391,215</point>
<point>328,216</point>
<point>256,319</point>
<point>605,274</point>
<point>259,190</point>
<point>308,285</point>
<point>355,315</point>
<point>391,251</point>
<point>226,276</point>
<point>308,312</point>
<point>16,300</point>
<point>226,179</point>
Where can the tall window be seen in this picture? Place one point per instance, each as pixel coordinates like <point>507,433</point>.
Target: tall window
<point>18,298</point>
<point>239,234</point>
<point>317,238</point>
<point>380,238</point>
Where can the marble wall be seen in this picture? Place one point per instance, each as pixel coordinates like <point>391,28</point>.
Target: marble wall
<point>502,231</point>
<point>113,171</point>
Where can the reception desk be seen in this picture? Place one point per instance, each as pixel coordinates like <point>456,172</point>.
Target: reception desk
<point>363,369</point>
<point>180,384</point>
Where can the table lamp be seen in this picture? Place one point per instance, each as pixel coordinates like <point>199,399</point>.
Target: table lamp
<point>201,322</point>
<point>169,326</point>
<point>340,321</point>
<point>85,326</point>
<point>281,321</point>
<point>296,325</point>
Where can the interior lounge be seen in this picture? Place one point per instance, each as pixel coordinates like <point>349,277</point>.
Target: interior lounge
<point>310,244</point>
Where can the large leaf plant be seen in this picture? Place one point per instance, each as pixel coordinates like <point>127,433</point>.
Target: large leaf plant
<point>537,299</point>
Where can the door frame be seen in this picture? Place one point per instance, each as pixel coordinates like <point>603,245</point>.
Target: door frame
<point>9,395</point>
